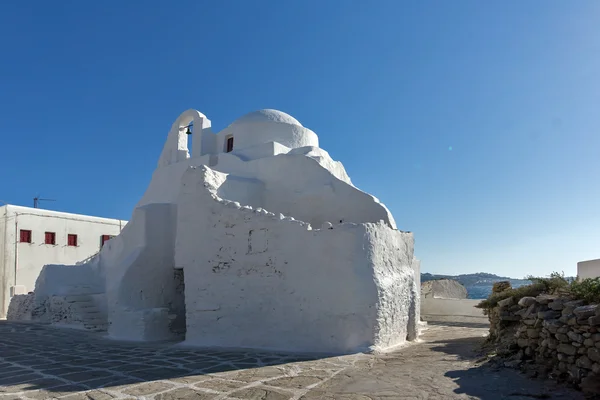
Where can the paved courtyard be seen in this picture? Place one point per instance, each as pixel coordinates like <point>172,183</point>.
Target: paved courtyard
<point>41,362</point>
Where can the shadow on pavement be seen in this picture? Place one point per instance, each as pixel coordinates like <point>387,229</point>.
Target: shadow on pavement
<point>482,381</point>
<point>55,362</point>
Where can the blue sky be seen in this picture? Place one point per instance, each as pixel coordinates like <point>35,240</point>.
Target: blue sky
<point>476,123</point>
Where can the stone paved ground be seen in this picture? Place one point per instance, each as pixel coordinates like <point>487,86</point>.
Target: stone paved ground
<point>41,362</point>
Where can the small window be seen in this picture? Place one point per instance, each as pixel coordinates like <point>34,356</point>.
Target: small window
<point>25,236</point>
<point>104,239</point>
<point>229,144</point>
<point>50,238</point>
<point>71,239</point>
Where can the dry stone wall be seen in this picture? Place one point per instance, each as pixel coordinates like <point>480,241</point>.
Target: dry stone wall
<point>550,336</point>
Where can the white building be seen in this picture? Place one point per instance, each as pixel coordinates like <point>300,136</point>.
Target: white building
<point>588,269</point>
<point>252,238</point>
<point>33,237</point>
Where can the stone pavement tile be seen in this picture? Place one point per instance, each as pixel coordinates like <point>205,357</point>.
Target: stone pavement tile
<point>159,373</point>
<point>49,365</point>
<point>63,370</point>
<point>200,365</point>
<point>66,358</point>
<point>295,382</point>
<point>261,393</point>
<point>188,380</point>
<point>91,395</point>
<point>322,395</point>
<point>147,388</point>
<point>8,372</point>
<point>185,394</point>
<point>179,354</point>
<point>108,364</point>
<point>271,360</point>
<point>27,360</point>
<point>219,368</point>
<point>131,367</point>
<point>55,392</point>
<point>248,360</point>
<point>10,396</point>
<point>230,356</point>
<point>43,383</point>
<point>19,379</point>
<point>117,357</point>
<point>86,361</point>
<point>77,377</point>
<point>12,352</point>
<point>238,365</point>
<point>219,385</point>
<point>255,374</point>
<point>197,358</point>
<point>158,363</point>
<point>111,381</point>
<point>317,373</point>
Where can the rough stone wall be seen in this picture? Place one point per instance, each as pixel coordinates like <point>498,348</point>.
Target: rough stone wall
<point>20,307</point>
<point>551,336</point>
<point>49,309</point>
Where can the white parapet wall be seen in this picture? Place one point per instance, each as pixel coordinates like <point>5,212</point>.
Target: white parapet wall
<point>453,310</point>
<point>588,269</point>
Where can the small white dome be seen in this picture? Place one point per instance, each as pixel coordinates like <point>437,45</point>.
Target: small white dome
<point>267,115</point>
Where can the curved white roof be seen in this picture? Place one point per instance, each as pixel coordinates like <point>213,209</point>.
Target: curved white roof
<point>268,115</point>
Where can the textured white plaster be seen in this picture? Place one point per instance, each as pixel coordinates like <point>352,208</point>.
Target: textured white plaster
<point>278,249</point>
<point>269,277</point>
<point>20,307</point>
<point>267,115</point>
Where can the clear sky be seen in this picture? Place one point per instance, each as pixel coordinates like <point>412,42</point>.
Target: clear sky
<point>476,122</point>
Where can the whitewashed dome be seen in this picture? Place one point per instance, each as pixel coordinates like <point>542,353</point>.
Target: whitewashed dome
<point>266,126</point>
<point>267,115</point>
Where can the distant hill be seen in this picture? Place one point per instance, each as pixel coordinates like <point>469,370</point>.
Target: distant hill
<point>478,279</point>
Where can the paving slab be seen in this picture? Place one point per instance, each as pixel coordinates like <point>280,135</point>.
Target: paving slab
<point>44,362</point>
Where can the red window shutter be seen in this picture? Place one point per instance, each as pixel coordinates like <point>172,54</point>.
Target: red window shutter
<point>25,236</point>
<point>50,238</point>
<point>72,240</point>
<point>104,239</point>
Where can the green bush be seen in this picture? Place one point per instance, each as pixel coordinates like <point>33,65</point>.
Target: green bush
<point>586,289</point>
<point>555,284</point>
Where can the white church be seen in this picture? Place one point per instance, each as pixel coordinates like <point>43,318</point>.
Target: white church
<point>253,238</point>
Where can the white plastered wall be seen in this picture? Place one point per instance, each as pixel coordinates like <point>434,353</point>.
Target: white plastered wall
<point>588,269</point>
<point>22,262</point>
<point>140,286</point>
<point>294,184</point>
<point>288,286</point>
<point>250,134</point>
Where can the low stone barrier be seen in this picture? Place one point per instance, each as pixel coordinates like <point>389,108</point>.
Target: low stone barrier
<point>550,336</point>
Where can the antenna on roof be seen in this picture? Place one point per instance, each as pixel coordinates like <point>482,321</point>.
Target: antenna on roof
<point>37,199</point>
